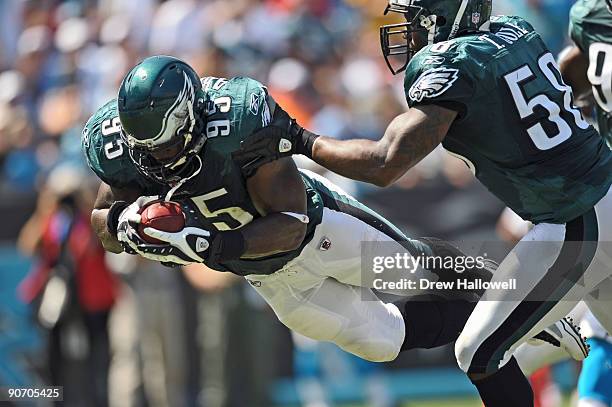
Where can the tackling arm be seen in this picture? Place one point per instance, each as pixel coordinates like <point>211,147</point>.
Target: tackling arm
<point>408,139</point>
<point>106,197</point>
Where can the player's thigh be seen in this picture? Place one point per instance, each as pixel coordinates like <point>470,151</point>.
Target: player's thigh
<point>503,319</point>
<point>349,316</point>
<point>342,241</point>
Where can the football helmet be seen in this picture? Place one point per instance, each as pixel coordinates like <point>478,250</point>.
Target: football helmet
<point>429,22</point>
<point>160,106</point>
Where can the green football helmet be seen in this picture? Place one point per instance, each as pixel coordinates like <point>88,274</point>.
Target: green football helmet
<point>160,107</point>
<point>429,22</point>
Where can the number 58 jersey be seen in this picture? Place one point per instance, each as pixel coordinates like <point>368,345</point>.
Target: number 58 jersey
<point>235,108</point>
<point>517,127</point>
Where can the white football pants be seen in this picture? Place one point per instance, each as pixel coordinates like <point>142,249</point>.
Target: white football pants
<point>555,266</point>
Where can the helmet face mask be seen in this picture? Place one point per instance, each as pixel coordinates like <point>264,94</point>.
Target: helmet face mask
<point>405,39</point>
<point>165,164</point>
<point>429,22</point>
<point>160,106</point>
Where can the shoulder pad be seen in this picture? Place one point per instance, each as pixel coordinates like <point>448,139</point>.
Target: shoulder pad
<point>104,150</point>
<point>236,108</point>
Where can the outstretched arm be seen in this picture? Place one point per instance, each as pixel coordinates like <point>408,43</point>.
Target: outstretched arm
<point>408,139</point>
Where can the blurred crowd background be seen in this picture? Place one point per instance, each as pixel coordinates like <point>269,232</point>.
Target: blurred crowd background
<point>126,332</point>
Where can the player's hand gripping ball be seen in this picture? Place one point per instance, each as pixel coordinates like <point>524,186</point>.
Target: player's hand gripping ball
<point>163,216</point>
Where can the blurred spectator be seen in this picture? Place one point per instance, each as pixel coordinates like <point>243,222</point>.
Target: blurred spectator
<point>70,287</point>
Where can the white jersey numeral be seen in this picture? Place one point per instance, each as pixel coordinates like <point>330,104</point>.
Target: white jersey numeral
<point>516,81</point>
<point>600,74</point>
<point>238,214</point>
<point>216,128</point>
<point>114,148</point>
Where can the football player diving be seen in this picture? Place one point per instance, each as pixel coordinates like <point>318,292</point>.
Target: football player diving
<point>490,92</point>
<point>294,236</point>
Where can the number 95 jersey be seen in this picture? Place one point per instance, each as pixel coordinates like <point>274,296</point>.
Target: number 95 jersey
<point>235,109</point>
<point>517,127</point>
<point>106,154</point>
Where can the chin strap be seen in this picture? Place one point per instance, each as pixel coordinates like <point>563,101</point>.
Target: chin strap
<point>429,23</point>
<point>184,180</point>
<point>458,19</point>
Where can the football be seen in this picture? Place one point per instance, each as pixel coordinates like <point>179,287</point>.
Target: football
<point>161,215</point>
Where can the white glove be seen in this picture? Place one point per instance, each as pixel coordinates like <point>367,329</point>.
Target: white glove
<point>129,218</point>
<point>189,245</point>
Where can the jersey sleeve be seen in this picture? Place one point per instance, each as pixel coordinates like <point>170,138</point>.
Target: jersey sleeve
<point>240,106</point>
<point>104,150</point>
<point>439,78</point>
<point>576,28</point>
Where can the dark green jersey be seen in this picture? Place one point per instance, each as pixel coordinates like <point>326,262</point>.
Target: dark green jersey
<point>237,107</point>
<point>591,30</point>
<point>106,154</point>
<point>517,127</point>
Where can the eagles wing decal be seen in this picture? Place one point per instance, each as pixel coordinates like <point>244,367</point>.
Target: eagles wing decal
<point>175,116</point>
<point>433,83</point>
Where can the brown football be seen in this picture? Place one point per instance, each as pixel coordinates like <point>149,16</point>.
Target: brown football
<point>161,215</point>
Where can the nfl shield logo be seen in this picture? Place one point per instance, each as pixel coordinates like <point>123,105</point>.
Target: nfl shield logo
<point>325,244</point>
<point>476,18</point>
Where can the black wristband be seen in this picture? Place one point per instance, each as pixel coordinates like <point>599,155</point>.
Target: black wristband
<point>304,139</point>
<point>308,140</point>
<point>228,245</point>
<point>112,219</point>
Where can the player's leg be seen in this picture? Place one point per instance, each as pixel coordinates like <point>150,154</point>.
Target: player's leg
<point>546,272</point>
<point>316,294</point>
<point>324,309</point>
<point>350,227</point>
<point>431,320</point>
